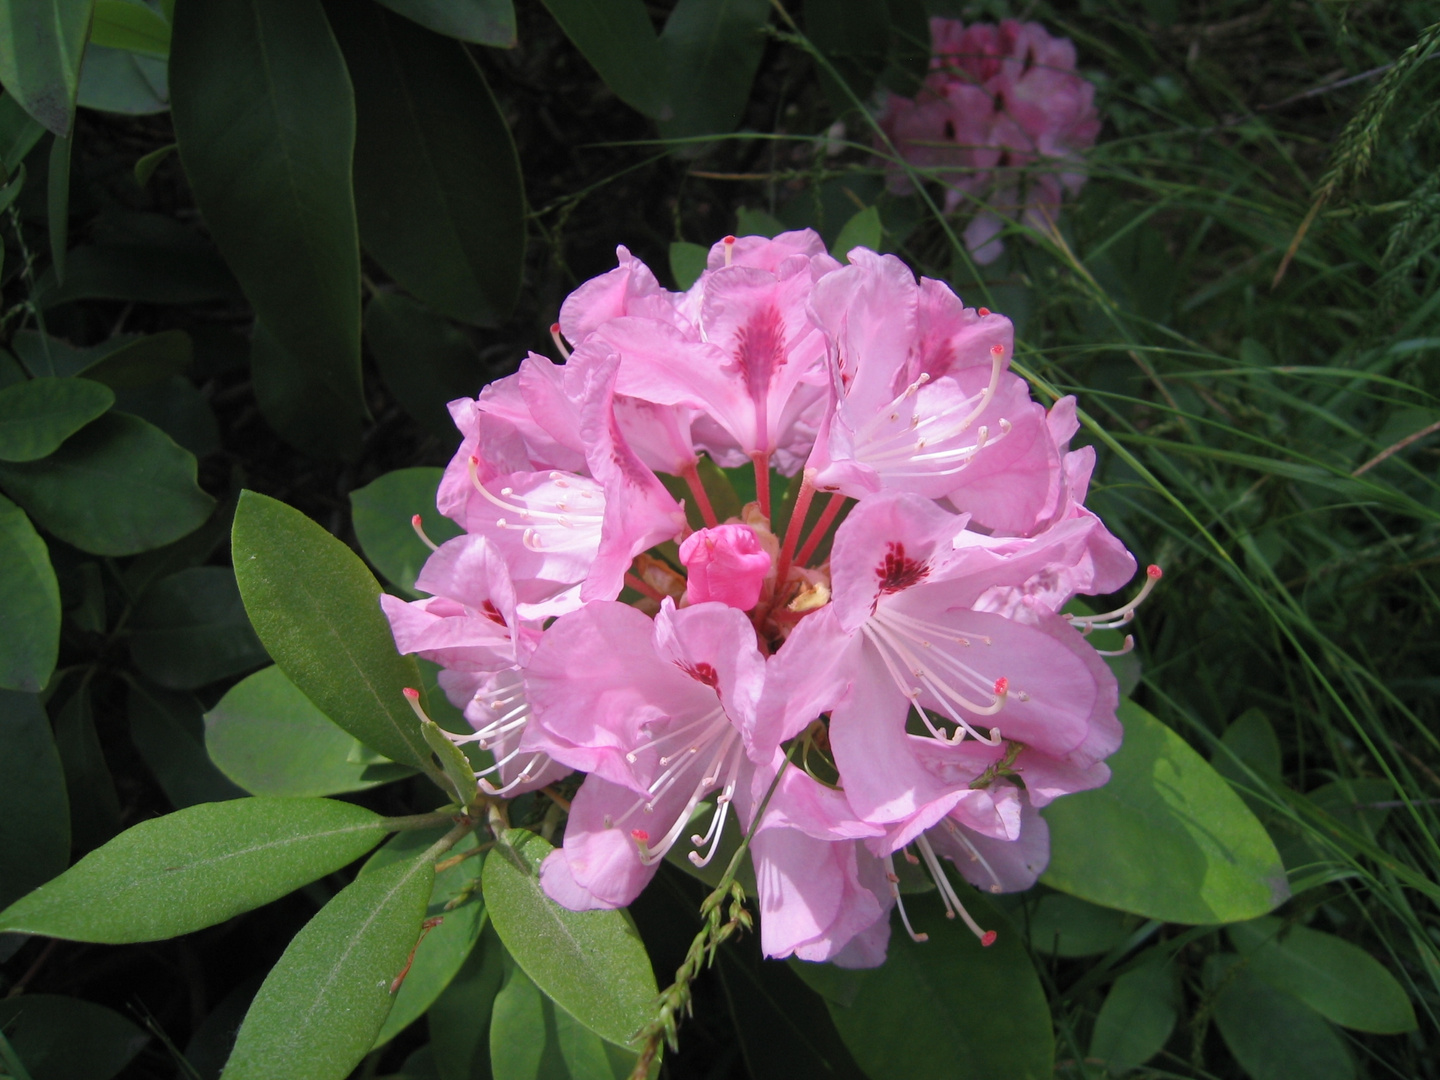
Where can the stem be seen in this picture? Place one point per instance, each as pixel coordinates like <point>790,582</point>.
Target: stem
<point>643,587</point>
<point>446,842</point>
<point>702,949</point>
<point>792,529</point>
<point>827,518</point>
<point>418,821</point>
<point>702,497</point>
<point>762,481</point>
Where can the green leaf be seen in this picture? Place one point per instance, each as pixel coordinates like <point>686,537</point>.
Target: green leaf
<point>124,82</point>
<point>64,1038</point>
<point>485,22</point>
<point>453,761</point>
<point>532,1038</point>
<point>854,35</point>
<point>444,948</point>
<point>118,486</point>
<point>155,264</point>
<point>1138,1016</point>
<point>1273,1035</point>
<point>438,190</point>
<point>190,629</point>
<point>381,513</point>
<point>38,415</point>
<point>57,200</point>
<point>265,120</point>
<point>591,963</point>
<point>34,809</point>
<point>425,360</point>
<point>756,223</point>
<point>317,610</point>
<point>195,868</point>
<point>146,166</point>
<point>269,738</point>
<point>459,1021</point>
<point>687,262</point>
<point>30,598</point>
<point>94,804</point>
<point>1166,838</point>
<point>119,24</point>
<point>712,49</point>
<point>169,731</point>
<point>618,39</point>
<point>177,408</point>
<point>1249,743</point>
<point>1340,981</point>
<point>19,133</point>
<point>321,1006</point>
<point>915,1018</point>
<point>1068,927</point>
<point>129,362</point>
<point>862,230</point>
<point>41,43</point>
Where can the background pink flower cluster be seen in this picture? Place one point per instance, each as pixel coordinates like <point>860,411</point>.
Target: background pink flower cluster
<point>1001,120</point>
<point>931,695</point>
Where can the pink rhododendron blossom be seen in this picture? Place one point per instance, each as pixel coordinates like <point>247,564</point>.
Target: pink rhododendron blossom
<point>1002,119</point>
<point>725,563</point>
<point>905,685</point>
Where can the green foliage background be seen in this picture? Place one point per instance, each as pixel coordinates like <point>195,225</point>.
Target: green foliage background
<point>276,236</point>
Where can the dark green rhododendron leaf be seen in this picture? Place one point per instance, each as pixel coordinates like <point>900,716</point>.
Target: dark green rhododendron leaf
<point>438,190</point>
<point>38,415</point>
<point>34,809</point>
<point>1340,981</point>
<point>168,729</point>
<point>30,599</point>
<point>915,1017</point>
<point>268,737</point>
<point>134,27</point>
<point>854,36</point>
<point>619,40</point>
<point>862,230</point>
<point>485,22</point>
<point>459,1021</point>
<point>532,1038</point>
<point>425,360</point>
<point>1273,1035</point>
<point>195,868</point>
<point>445,946</point>
<point>591,963</point>
<point>687,262</point>
<point>1069,927</point>
<point>381,512</point>
<point>41,44</point>
<point>117,487</point>
<point>94,803</point>
<point>124,82</point>
<point>126,363</point>
<point>1166,838</point>
<point>178,408</point>
<point>1138,1016</point>
<point>316,608</point>
<point>711,51</point>
<point>320,1008</point>
<point>190,629</point>
<point>265,120</point>
<point>64,1038</point>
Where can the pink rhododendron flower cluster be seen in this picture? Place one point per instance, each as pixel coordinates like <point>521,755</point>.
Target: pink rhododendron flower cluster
<point>931,695</point>
<point>1002,119</point>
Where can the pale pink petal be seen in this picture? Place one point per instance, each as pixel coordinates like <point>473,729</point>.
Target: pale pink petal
<point>726,564</point>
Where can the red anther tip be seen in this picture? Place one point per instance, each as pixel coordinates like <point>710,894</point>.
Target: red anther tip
<point>416,520</point>
<point>554,327</point>
<point>988,938</point>
<point>1002,686</point>
<point>997,350</point>
<point>411,694</point>
<point>1154,571</point>
<point>474,460</point>
<point>728,240</point>
<point>640,836</point>
<point>983,311</point>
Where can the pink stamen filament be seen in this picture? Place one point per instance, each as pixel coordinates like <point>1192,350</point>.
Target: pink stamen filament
<point>953,906</point>
<point>417,524</point>
<point>817,534</point>
<point>643,587</point>
<point>702,498</point>
<point>792,530</point>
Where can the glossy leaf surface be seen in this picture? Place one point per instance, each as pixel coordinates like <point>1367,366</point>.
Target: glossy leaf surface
<point>38,415</point>
<point>30,598</point>
<point>194,868</point>
<point>592,963</point>
<point>381,512</point>
<point>269,738</point>
<point>317,610</point>
<point>321,1006</point>
<point>265,120</point>
<point>1166,837</point>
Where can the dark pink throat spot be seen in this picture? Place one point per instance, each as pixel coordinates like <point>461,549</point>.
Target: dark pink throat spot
<point>701,672</point>
<point>491,612</point>
<point>897,571</point>
<point>760,350</point>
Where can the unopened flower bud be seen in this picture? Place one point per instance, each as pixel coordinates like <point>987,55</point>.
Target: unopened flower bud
<point>727,564</point>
